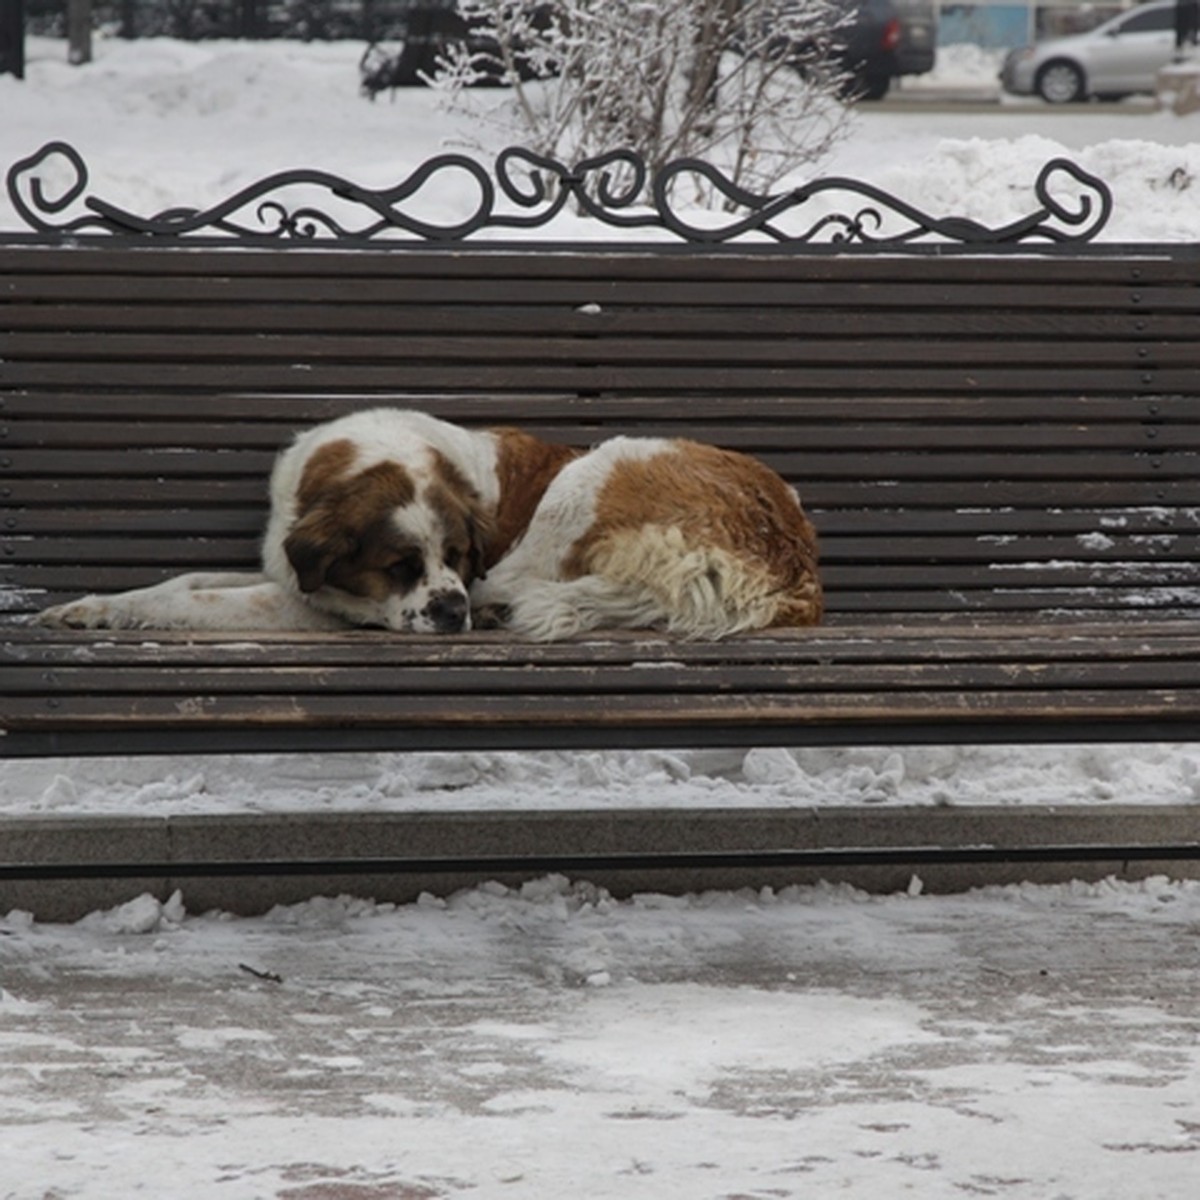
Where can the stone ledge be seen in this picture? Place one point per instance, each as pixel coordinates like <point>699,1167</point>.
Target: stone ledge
<point>60,868</point>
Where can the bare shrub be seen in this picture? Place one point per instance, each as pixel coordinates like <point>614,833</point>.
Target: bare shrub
<point>751,86</point>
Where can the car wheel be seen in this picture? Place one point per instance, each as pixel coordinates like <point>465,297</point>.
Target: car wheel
<point>1060,82</point>
<point>866,85</point>
<point>875,87</point>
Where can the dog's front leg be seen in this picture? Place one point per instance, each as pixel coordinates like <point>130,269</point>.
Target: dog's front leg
<point>199,601</point>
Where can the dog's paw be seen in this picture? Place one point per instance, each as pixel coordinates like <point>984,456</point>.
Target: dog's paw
<point>90,612</point>
<point>490,616</point>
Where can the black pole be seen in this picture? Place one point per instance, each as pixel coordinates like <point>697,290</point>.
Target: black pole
<point>12,38</point>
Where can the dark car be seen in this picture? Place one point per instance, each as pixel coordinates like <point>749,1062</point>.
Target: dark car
<point>887,38</point>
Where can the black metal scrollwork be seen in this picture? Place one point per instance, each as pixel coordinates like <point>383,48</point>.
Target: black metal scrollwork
<point>524,191</point>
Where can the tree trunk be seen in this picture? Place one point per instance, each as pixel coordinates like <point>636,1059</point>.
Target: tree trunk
<point>79,32</point>
<point>12,37</point>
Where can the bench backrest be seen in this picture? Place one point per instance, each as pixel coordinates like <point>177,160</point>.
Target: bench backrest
<point>969,433</point>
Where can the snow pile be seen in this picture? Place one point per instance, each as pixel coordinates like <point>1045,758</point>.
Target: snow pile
<point>933,775</point>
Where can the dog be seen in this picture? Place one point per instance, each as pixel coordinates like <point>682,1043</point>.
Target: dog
<point>395,519</point>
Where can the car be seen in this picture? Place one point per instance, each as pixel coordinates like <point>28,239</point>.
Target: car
<point>877,40</point>
<point>1118,58</point>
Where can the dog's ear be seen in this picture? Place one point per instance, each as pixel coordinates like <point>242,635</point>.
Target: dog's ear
<point>312,550</point>
<point>481,529</point>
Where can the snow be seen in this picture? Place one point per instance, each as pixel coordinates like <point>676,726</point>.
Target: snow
<point>1028,1042</point>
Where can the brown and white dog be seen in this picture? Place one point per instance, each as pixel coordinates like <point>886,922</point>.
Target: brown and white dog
<point>396,519</point>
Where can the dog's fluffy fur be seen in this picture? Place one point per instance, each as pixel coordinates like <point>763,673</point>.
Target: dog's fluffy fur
<point>396,519</point>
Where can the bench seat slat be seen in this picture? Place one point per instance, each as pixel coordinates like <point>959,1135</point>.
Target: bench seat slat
<point>959,379</point>
<point>824,434</point>
<point>975,638</point>
<point>774,289</point>
<point>480,262</point>
<point>288,317</point>
<point>64,410</point>
<point>885,465</point>
<point>65,683</point>
<point>948,709</point>
<point>406,353</point>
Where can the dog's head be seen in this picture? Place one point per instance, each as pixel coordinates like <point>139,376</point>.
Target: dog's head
<point>395,544</point>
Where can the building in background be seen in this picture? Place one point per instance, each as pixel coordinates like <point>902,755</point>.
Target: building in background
<point>1003,24</point>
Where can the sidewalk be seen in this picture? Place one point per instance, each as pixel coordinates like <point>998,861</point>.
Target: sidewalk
<point>1033,1042</point>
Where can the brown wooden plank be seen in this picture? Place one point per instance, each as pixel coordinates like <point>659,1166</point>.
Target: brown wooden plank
<point>1121,524</point>
<point>1042,600</point>
<point>1137,328</point>
<point>953,710</point>
<point>772,288</point>
<point>480,261</point>
<point>1064,431</point>
<point>63,346</point>
<point>83,527</point>
<point>301,376</point>
<point>66,681</point>
<point>977,640</point>
<point>733,409</point>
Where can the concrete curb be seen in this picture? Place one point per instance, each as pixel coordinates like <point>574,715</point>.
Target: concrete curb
<point>60,868</point>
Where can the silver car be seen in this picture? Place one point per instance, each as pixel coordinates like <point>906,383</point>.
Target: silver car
<point>1115,59</point>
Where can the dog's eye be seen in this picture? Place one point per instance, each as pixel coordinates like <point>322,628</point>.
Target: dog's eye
<point>406,571</point>
<point>452,557</point>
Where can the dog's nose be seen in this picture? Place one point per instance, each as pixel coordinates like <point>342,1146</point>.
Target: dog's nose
<point>447,611</point>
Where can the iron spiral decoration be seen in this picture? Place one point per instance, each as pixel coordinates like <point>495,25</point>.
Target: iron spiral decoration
<point>523,190</point>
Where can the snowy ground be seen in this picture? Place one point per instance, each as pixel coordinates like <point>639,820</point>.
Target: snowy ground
<point>1028,1042</point>
<point>1039,1043</point>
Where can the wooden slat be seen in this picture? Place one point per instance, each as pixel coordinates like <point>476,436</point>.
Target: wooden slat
<point>772,288</point>
<point>478,261</point>
<point>665,678</point>
<point>851,379</point>
<point>973,639</point>
<point>283,317</point>
<point>954,711</point>
<point>713,348</point>
<point>862,464</point>
<point>757,436</point>
<point>732,410</point>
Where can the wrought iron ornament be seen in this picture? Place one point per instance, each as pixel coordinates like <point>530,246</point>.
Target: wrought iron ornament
<point>524,191</point>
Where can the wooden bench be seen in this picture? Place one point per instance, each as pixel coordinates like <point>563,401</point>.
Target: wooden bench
<point>1000,452</point>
